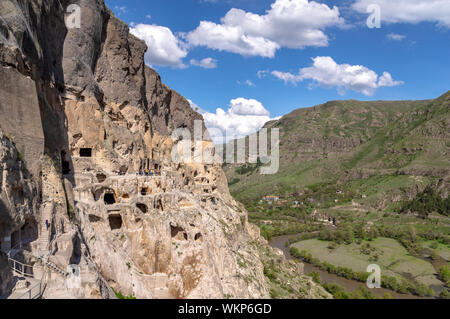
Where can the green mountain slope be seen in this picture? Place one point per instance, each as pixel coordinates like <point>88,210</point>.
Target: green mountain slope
<point>396,147</point>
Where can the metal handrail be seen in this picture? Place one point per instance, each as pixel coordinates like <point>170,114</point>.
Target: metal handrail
<point>21,270</point>
<point>105,289</point>
<point>28,294</point>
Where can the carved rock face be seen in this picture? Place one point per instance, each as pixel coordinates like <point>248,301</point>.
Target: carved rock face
<point>100,116</point>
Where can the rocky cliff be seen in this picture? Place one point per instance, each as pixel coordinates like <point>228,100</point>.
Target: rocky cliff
<point>80,114</point>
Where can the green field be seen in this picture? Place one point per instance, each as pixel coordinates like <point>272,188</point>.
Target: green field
<point>393,259</point>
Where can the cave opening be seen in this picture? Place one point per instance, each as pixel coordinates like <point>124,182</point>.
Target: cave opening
<point>159,205</point>
<point>85,152</point>
<point>198,236</point>
<point>142,207</point>
<point>115,221</point>
<point>101,178</point>
<point>65,165</point>
<point>144,191</point>
<point>94,219</point>
<point>178,233</point>
<point>109,198</point>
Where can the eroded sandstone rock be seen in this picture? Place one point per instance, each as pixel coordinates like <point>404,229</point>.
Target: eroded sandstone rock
<point>99,115</point>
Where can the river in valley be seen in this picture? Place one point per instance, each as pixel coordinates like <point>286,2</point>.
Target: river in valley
<point>350,285</point>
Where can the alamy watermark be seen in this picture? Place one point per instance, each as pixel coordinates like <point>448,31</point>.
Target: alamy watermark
<point>73,17</point>
<point>73,280</point>
<point>194,149</point>
<point>374,19</point>
<point>374,280</point>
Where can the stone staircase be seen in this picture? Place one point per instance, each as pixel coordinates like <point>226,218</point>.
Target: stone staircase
<point>44,238</point>
<point>54,268</point>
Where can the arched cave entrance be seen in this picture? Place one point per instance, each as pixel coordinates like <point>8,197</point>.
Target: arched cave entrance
<point>142,207</point>
<point>178,233</point>
<point>115,221</point>
<point>109,199</point>
<point>101,177</point>
<point>65,165</point>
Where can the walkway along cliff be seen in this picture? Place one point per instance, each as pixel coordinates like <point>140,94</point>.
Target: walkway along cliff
<point>80,114</point>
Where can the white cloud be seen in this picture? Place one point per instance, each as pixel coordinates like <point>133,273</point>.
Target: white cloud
<point>386,80</point>
<point>164,49</point>
<point>148,16</point>
<point>247,82</point>
<point>207,63</point>
<point>262,73</point>
<point>395,36</point>
<point>243,117</point>
<point>288,23</point>
<point>409,11</point>
<point>326,72</point>
<point>121,9</point>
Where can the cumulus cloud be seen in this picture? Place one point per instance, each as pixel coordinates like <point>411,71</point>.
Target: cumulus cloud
<point>243,117</point>
<point>164,48</point>
<point>246,82</point>
<point>409,11</point>
<point>288,23</point>
<point>326,72</point>
<point>207,63</point>
<point>395,36</point>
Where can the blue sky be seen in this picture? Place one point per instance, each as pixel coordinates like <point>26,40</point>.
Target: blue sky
<point>412,45</point>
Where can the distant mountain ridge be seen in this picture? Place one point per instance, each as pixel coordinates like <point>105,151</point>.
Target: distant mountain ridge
<point>341,141</point>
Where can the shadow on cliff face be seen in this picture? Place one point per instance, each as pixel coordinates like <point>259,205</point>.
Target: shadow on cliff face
<point>51,36</point>
<point>6,277</point>
<point>5,220</point>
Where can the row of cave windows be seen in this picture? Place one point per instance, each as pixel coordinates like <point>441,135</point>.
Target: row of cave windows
<point>115,222</point>
<point>87,152</point>
<point>65,164</point>
<point>110,199</point>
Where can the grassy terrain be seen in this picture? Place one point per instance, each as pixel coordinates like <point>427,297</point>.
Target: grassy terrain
<point>367,166</point>
<point>406,143</point>
<point>393,258</point>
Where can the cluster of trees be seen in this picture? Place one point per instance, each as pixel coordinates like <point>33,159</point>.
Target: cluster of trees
<point>325,266</point>
<point>409,237</point>
<point>280,229</point>
<point>249,168</point>
<point>444,273</point>
<point>387,282</point>
<point>361,292</point>
<point>426,203</point>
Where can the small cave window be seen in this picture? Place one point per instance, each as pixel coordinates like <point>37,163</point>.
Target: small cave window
<point>144,191</point>
<point>142,207</point>
<point>110,199</point>
<point>115,221</point>
<point>178,233</point>
<point>147,127</point>
<point>159,205</point>
<point>94,219</point>
<point>123,170</point>
<point>65,165</point>
<point>101,178</point>
<point>85,152</point>
<point>198,236</point>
